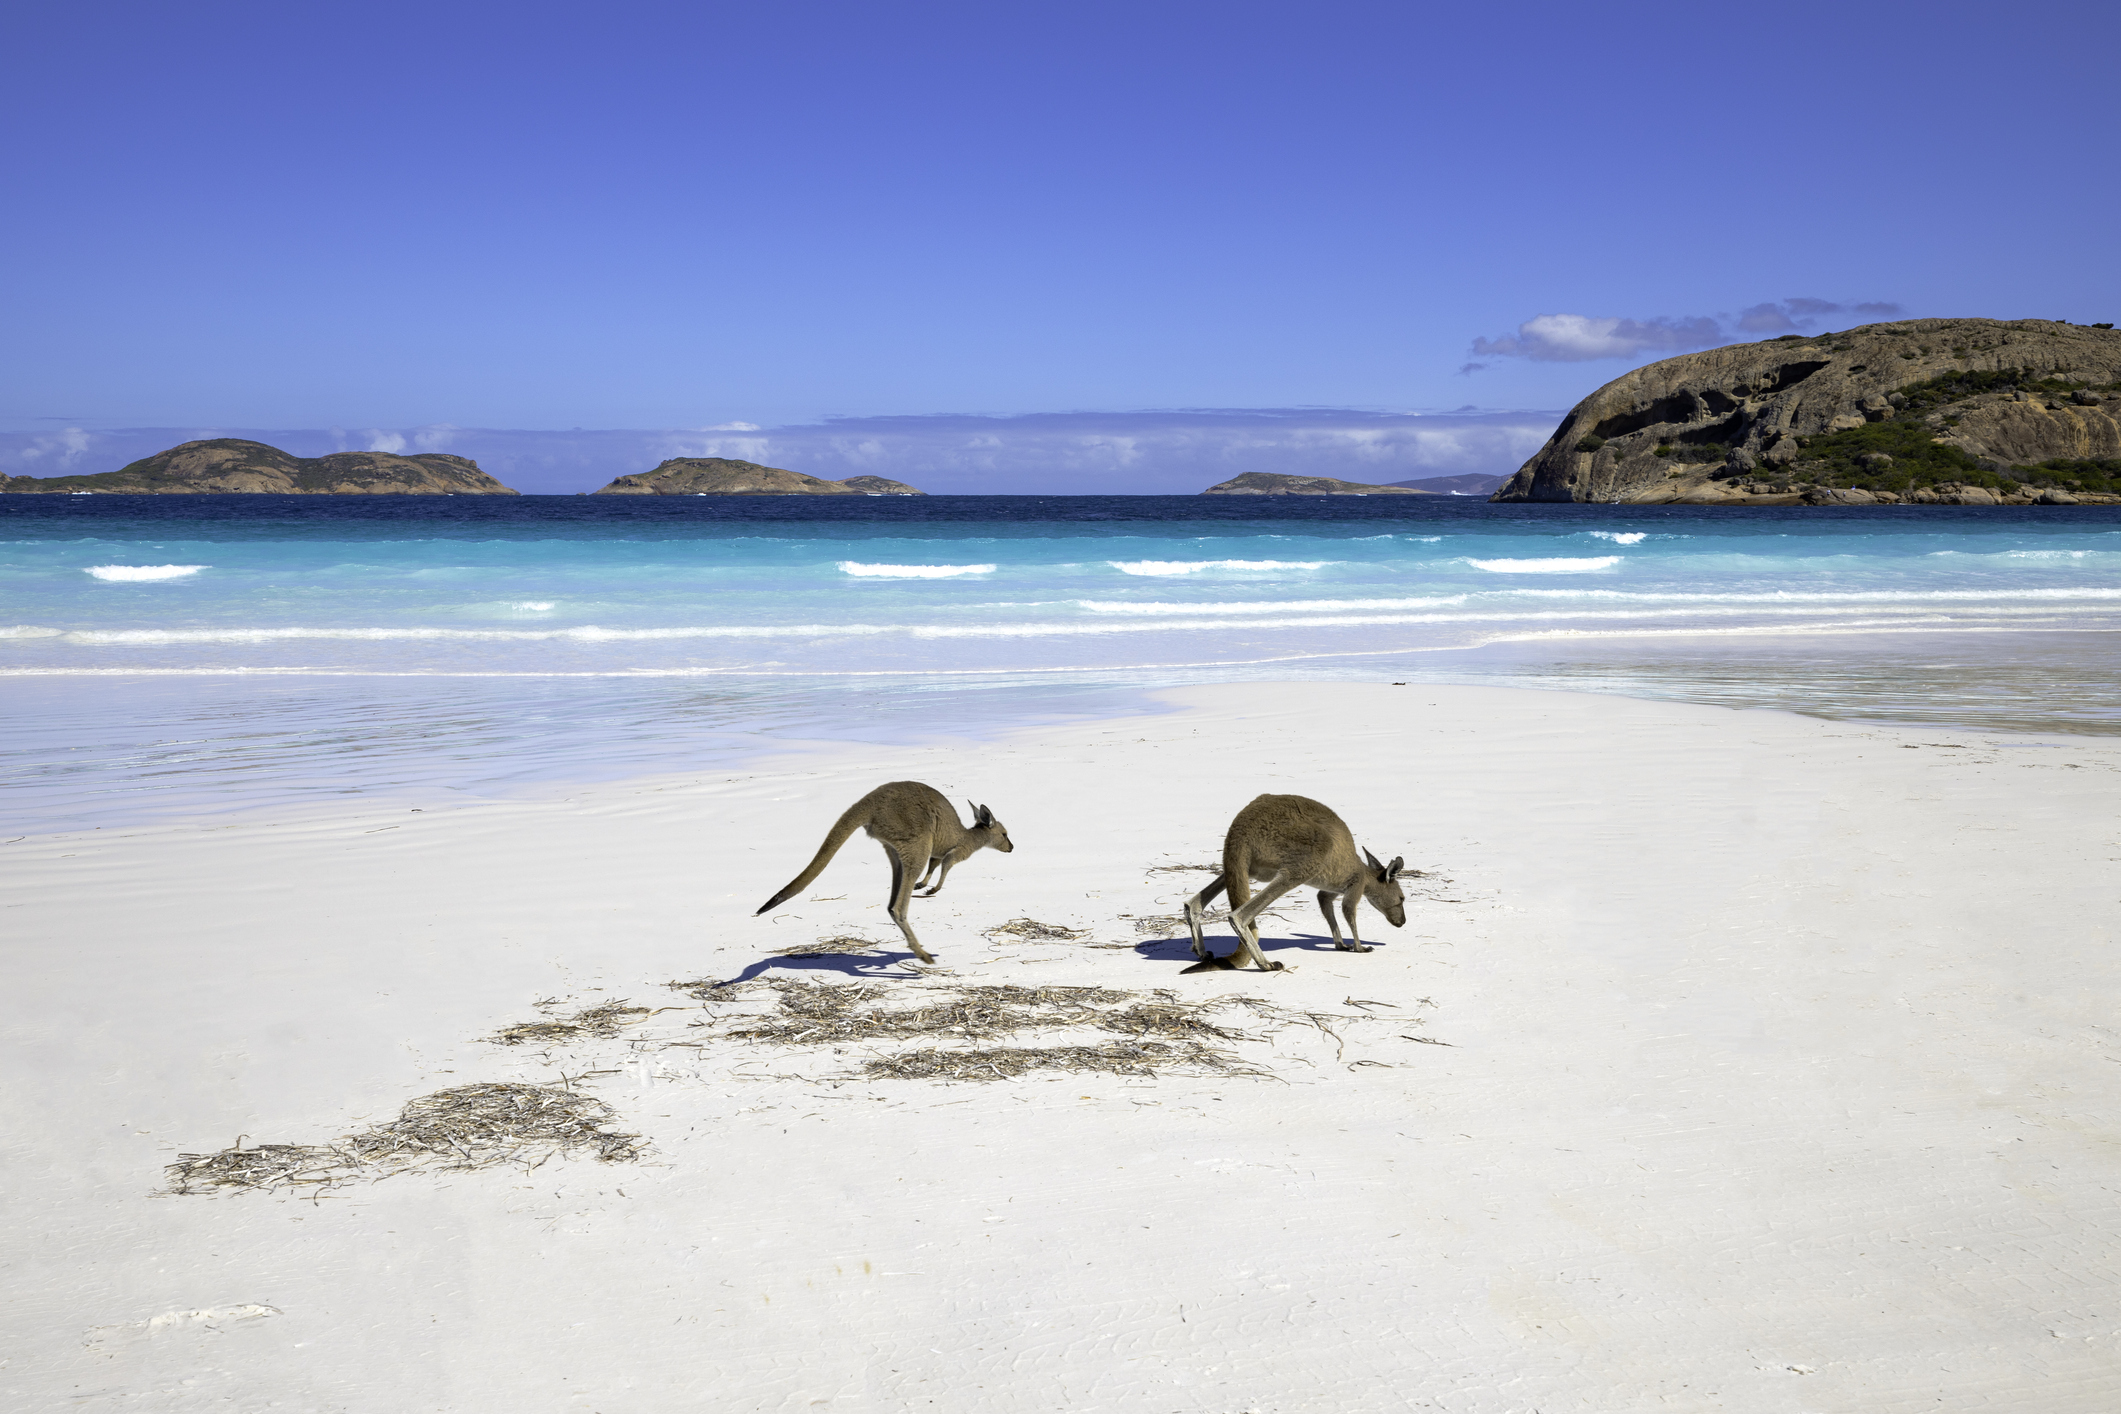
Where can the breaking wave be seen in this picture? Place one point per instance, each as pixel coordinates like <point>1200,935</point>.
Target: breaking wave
<point>863,571</point>
<point>1274,606</point>
<point>132,574</point>
<point>1557,566</point>
<point>1167,567</point>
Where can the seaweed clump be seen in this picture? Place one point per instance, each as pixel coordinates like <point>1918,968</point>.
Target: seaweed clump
<point>603,1022</point>
<point>467,1127</point>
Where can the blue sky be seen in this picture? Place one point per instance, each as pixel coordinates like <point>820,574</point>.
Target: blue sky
<point>677,216</point>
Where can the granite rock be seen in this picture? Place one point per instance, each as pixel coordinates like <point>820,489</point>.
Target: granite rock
<point>1762,397</point>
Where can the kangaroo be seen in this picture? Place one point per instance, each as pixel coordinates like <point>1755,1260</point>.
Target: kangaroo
<point>1289,842</point>
<point>916,825</point>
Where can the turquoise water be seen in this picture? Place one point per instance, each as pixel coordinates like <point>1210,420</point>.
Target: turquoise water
<point>150,644</point>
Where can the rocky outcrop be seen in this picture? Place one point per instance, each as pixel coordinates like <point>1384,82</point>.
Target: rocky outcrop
<point>1274,483</point>
<point>222,465</point>
<point>2022,429</point>
<point>722,476</point>
<point>1743,408</point>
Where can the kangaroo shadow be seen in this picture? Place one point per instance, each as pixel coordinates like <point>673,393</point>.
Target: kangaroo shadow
<point>879,966</point>
<point>1180,948</point>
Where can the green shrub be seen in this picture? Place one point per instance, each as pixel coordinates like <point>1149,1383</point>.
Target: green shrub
<point>1590,442</point>
<point>2102,474</point>
<point>1692,451</point>
<point>1918,459</point>
<point>1951,387</point>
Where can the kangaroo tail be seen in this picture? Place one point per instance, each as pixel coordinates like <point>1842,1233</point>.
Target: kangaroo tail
<point>845,826</point>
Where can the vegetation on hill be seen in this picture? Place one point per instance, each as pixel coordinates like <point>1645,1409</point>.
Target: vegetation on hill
<point>1902,453</point>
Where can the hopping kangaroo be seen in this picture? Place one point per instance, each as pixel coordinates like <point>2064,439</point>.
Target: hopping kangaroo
<point>918,829</point>
<point>1290,842</point>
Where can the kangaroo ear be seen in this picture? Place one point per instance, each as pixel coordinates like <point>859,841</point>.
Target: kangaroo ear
<point>1399,862</point>
<point>1371,860</point>
<point>981,815</point>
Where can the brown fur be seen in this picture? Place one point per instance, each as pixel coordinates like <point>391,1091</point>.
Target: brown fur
<point>916,825</point>
<point>1287,842</point>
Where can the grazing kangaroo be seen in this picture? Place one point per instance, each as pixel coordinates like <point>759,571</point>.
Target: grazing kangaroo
<point>1289,842</point>
<point>916,826</point>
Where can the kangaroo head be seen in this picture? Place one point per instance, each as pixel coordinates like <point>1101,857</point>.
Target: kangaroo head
<point>1380,886</point>
<point>997,832</point>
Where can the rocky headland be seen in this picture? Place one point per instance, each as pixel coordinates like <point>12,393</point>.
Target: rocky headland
<point>1922,411</point>
<point>1274,483</point>
<point>224,465</point>
<point>722,476</point>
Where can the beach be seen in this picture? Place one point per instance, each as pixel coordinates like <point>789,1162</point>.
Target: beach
<point>1727,1060</point>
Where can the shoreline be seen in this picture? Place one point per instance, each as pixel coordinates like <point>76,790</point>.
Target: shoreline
<point>1751,1079</point>
<point>125,747</point>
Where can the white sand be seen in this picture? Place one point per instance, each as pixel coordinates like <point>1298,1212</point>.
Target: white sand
<point>1784,1075</point>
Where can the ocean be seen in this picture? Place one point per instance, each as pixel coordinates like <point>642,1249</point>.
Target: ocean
<point>192,654</point>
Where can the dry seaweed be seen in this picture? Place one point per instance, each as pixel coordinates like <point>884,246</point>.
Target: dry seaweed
<point>473,1126</point>
<point>1165,1016</point>
<point>1161,1029</point>
<point>825,1012</point>
<point>599,1021</point>
<point>467,1127</point>
<point>1031,930</point>
<point>1008,1062</point>
<point>265,1166</point>
<point>1183,869</point>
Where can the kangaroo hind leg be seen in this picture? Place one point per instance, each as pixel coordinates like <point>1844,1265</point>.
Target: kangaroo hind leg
<point>1241,918</point>
<point>901,893</point>
<point>1196,906</point>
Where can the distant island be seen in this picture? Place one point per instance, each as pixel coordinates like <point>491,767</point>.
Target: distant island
<point>1920,411</point>
<point>222,465</point>
<point>1469,484</point>
<point>1274,483</point>
<point>722,476</point>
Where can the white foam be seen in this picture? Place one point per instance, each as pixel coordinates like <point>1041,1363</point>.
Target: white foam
<point>1557,566</point>
<point>911,571</point>
<point>1620,537</point>
<point>540,606</point>
<point>1796,596</point>
<point>126,574</point>
<point>1273,606</point>
<point>1168,567</point>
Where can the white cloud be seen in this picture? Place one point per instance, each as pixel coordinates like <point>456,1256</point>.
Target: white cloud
<point>389,442</point>
<point>743,449</point>
<point>1577,338</point>
<point>63,448</point>
<point>1574,338</point>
